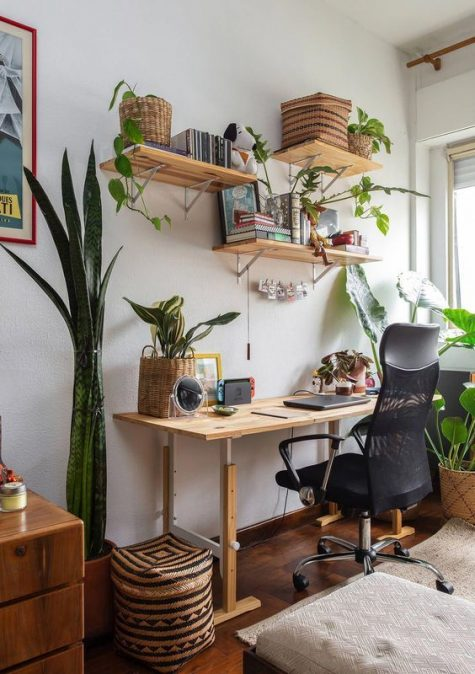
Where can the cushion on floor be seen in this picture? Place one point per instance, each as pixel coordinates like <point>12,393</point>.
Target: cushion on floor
<point>379,624</point>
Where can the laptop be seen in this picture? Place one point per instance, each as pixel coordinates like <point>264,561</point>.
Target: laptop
<point>324,401</point>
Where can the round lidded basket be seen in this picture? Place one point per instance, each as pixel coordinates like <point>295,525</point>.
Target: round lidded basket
<point>457,489</point>
<point>360,144</point>
<point>157,377</point>
<point>152,115</point>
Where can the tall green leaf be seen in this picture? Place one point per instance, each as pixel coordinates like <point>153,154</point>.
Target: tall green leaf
<point>420,292</point>
<point>467,400</point>
<point>371,314</point>
<point>465,321</point>
<point>48,290</point>
<point>102,300</point>
<point>454,429</point>
<point>92,232</point>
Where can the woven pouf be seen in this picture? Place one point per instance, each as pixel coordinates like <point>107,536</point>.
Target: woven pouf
<point>163,601</point>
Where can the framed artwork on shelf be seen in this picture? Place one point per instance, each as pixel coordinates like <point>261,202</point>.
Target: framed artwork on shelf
<point>208,370</point>
<point>236,200</point>
<point>17,130</point>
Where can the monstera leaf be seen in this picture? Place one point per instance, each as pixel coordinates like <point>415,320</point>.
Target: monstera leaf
<point>371,314</point>
<point>464,334</point>
<point>420,292</point>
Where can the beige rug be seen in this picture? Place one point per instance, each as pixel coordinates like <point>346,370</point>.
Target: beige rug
<point>451,549</point>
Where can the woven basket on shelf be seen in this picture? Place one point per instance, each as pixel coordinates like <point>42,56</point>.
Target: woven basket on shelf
<point>317,117</point>
<point>360,144</point>
<point>457,489</point>
<point>152,115</point>
<point>163,601</point>
<point>157,376</point>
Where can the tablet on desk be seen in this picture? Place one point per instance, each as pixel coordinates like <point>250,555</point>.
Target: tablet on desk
<point>324,401</point>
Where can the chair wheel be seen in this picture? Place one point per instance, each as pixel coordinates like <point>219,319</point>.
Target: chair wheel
<point>399,551</point>
<point>323,549</point>
<point>300,582</point>
<point>444,586</point>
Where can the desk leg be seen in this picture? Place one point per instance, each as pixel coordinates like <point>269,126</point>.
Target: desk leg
<point>334,513</point>
<point>229,546</point>
<point>166,488</point>
<point>397,530</point>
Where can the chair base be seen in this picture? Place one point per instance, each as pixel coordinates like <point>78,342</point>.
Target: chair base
<point>366,554</point>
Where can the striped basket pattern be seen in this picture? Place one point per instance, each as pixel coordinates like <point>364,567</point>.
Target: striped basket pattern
<point>317,117</point>
<point>163,601</point>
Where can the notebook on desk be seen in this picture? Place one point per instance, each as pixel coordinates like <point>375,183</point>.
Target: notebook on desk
<point>324,401</point>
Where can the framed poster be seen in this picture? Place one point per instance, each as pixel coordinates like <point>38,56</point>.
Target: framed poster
<point>235,200</point>
<point>17,130</point>
<point>209,371</point>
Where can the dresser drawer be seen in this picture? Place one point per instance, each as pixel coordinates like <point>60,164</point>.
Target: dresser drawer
<point>35,627</point>
<point>32,564</point>
<point>66,662</point>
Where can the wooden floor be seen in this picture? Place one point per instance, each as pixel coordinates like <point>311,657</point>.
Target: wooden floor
<point>266,572</point>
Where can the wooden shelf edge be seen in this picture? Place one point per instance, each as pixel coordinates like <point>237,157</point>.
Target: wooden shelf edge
<point>181,171</point>
<point>292,252</point>
<point>324,153</point>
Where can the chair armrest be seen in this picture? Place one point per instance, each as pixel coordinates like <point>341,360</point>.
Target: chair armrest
<point>305,491</point>
<point>360,431</point>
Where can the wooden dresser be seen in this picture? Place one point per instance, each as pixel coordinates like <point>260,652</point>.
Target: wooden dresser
<point>41,590</point>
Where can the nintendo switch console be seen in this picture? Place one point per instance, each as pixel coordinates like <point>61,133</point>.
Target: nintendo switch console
<point>236,391</point>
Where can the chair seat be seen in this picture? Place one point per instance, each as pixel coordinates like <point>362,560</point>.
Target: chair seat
<point>348,484</point>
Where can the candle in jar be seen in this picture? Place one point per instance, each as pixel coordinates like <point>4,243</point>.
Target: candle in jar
<point>13,496</point>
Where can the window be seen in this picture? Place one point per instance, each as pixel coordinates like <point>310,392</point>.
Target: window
<point>462,226</point>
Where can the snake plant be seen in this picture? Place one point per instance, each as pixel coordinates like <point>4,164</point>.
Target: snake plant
<point>79,247</point>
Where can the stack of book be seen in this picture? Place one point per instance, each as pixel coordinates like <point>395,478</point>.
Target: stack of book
<point>351,241</point>
<point>203,146</point>
<point>257,226</point>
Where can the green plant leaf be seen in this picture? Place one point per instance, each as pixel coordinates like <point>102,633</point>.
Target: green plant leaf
<point>151,315</point>
<point>420,291</point>
<point>467,400</point>
<point>133,132</point>
<point>92,207</point>
<point>454,430</point>
<point>102,299</point>
<point>157,223</point>
<point>114,95</point>
<point>128,94</point>
<point>438,403</point>
<point>123,166</point>
<point>117,191</point>
<point>463,320</point>
<point>118,145</point>
<point>371,314</point>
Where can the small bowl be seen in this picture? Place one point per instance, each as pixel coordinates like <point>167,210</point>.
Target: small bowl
<point>225,410</point>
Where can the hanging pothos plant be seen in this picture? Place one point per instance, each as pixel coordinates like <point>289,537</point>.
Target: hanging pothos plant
<point>127,190</point>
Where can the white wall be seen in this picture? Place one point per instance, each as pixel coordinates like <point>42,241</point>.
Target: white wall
<point>216,63</point>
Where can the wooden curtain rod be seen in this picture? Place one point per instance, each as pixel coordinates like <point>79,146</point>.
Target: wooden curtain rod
<point>434,57</point>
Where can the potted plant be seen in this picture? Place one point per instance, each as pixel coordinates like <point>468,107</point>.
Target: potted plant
<point>344,366</point>
<point>142,119</point>
<point>78,243</point>
<point>158,373</point>
<point>367,135</point>
<point>456,457</point>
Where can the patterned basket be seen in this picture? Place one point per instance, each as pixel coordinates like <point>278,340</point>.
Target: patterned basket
<point>360,144</point>
<point>457,488</point>
<point>163,601</point>
<point>157,377</point>
<point>317,117</point>
<point>153,116</point>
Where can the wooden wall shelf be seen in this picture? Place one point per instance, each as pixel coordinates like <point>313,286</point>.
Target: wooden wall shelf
<point>317,153</point>
<point>281,250</point>
<point>176,169</point>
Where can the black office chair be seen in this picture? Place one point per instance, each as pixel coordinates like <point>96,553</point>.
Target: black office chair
<point>392,470</point>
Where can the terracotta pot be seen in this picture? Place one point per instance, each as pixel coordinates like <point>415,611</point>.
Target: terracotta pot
<point>98,596</point>
<point>359,373</point>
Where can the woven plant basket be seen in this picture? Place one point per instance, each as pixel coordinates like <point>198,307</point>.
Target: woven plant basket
<point>157,376</point>
<point>317,117</point>
<point>360,144</point>
<point>457,489</point>
<point>152,115</point>
<point>163,602</point>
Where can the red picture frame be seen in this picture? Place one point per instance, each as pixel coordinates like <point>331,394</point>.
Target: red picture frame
<point>18,65</point>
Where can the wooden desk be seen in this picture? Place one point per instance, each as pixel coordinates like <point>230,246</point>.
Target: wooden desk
<point>227,429</point>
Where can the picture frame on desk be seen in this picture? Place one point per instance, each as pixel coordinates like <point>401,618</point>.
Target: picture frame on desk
<point>234,200</point>
<point>17,130</point>
<point>208,369</point>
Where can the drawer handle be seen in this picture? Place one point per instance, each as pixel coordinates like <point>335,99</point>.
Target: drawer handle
<point>20,551</point>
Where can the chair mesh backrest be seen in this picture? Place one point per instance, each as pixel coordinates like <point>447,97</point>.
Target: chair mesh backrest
<point>395,449</point>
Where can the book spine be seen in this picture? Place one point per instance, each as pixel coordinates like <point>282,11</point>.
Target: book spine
<point>295,217</point>
<point>227,153</point>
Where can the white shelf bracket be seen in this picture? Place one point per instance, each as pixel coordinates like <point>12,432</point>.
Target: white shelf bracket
<point>338,174</point>
<point>325,270</point>
<point>240,272</point>
<point>201,187</point>
<point>151,172</point>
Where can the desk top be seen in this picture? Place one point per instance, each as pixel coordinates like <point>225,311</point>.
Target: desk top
<point>216,427</point>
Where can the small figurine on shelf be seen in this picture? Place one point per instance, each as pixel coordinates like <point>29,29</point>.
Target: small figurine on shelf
<point>243,144</point>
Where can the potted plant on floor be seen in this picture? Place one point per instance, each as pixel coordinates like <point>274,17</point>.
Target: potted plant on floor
<point>367,135</point>
<point>158,373</point>
<point>454,446</point>
<point>78,243</point>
